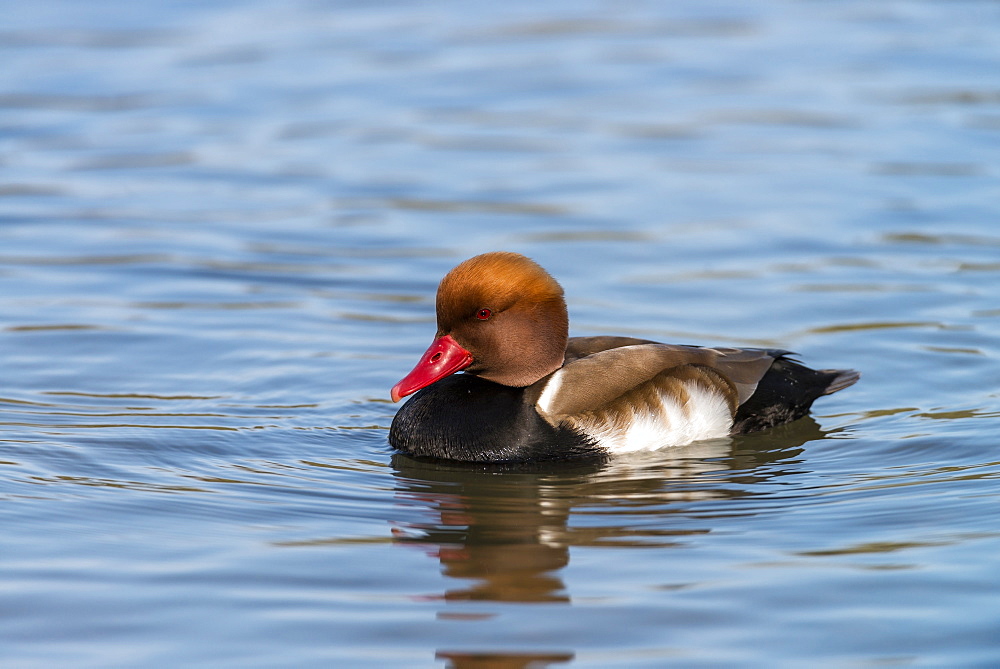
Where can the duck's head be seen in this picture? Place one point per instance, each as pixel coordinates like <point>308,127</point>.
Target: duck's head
<point>499,316</point>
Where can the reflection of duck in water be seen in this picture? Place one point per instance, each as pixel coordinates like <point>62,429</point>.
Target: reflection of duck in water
<point>506,535</point>
<point>502,660</point>
<point>532,393</point>
<point>506,538</point>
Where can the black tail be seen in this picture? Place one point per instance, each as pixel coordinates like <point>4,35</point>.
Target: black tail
<point>786,392</point>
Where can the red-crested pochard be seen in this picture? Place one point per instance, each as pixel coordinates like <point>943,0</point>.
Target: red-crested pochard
<point>531,392</point>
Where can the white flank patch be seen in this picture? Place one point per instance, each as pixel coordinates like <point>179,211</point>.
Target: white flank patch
<point>552,387</point>
<point>667,423</point>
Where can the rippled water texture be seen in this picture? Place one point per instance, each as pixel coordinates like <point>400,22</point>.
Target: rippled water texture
<point>221,228</point>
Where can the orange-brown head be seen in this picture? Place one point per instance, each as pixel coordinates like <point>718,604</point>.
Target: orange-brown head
<point>499,316</point>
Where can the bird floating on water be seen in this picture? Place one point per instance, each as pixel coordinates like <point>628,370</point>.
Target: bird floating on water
<point>530,392</point>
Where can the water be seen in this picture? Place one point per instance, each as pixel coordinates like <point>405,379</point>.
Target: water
<point>221,227</point>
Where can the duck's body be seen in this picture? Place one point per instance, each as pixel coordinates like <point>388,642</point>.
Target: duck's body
<point>532,393</point>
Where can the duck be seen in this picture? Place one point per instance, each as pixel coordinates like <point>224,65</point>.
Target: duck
<point>528,392</point>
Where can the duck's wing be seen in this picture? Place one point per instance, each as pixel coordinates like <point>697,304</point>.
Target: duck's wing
<point>600,371</point>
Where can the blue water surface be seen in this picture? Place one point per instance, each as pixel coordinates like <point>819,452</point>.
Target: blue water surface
<point>221,228</point>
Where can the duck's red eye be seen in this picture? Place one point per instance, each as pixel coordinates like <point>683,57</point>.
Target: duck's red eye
<point>483,314</point>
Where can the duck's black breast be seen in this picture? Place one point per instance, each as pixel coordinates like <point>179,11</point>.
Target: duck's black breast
<point>464,417</point>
